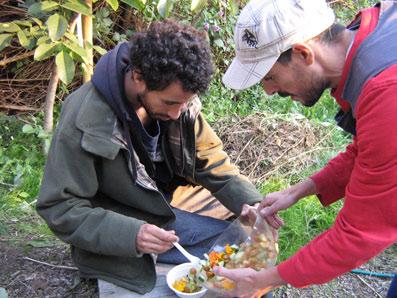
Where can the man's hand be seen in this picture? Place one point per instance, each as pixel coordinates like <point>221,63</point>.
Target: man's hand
<point>248,281</point>
<point>152,239</point>
<point>274,202</point>
<point>249,213</point>
<point>280,200</point>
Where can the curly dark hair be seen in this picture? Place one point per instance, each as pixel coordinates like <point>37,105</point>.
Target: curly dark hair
<point>169,51</point>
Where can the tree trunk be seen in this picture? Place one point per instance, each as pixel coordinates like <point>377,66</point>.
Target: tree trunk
<point>88,69</point>
<point>51,94</point>
<point>49,104</point>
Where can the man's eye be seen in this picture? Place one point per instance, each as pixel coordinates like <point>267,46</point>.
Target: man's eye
<point>268,78</point>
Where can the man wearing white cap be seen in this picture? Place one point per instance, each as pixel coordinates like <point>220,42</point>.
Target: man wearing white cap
<point>293,48</point>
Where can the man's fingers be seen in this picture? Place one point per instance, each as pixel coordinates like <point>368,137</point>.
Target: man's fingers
<point>278,219</point>
<point>267,211</point>
<point>270,220</point>
<point>149,247</point>
<point>221,271</point>
<point>152,239</point>
<point>162,234</point>
<point>264,203</point>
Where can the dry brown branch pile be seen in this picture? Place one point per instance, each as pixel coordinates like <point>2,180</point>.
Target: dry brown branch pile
<point>262,146</point>
<point>26,88</point>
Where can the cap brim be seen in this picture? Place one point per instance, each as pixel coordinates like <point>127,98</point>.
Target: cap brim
<point>244,75</point>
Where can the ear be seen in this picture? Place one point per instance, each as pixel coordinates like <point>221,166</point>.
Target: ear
<point>137,80</point>
<point>304,52</point>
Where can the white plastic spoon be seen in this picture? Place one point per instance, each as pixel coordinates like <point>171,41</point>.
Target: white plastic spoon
<point>190,257</point>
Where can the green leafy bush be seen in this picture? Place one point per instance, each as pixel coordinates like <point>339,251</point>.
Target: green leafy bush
<point>21,160</point>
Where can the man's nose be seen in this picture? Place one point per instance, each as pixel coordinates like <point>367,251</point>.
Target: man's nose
<point>269,88</point>
<point>175,113</point>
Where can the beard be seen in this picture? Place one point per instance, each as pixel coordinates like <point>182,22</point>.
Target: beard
<point>154,116</point>
<point>314,90</point>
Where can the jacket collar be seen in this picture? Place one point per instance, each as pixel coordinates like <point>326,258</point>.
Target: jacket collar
<point>101,134</point>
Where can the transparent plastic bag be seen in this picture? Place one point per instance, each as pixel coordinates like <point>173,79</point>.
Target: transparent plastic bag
<point>243,244</point>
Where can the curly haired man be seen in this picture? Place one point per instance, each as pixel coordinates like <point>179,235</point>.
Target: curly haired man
<point>129,147</point>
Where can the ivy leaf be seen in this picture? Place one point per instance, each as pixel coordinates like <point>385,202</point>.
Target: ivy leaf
<point>66,67</point>
<point>45,50</point>
<point>38,22</point>
<point>9,27</point>
<point>23,23</point>
<point>43,39</point>
<point>164,7</point>
<point>57,26</point>
<point>5,40</point>
<point>36,31</point>
<point>77,6</point>
<point>197,5</point>
<point>27,128</point>
<point>71,37</point>
<point>23,39</point>
<point>137,4</point>
<point>114,4</point>
<point>42,7</point>
<point>78,50</point>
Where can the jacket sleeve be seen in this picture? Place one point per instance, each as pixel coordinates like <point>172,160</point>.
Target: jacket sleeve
<point>367,223</point>
<point>215,172</point>
<point>70,180</point>
<point>331,181</point>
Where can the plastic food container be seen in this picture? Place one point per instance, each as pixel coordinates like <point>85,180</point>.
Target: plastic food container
<point>241,245</point>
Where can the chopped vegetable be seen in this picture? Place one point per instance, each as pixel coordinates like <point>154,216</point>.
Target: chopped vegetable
<point>258,254</point>
<point>189,283</point>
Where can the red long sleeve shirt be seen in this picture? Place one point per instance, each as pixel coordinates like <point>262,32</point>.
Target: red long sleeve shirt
<point>366,175</point>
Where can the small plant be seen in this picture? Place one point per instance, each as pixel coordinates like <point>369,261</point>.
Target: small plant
<point>21,159</point>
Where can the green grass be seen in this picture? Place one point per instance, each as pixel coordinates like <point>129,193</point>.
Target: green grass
<point>303,221</point>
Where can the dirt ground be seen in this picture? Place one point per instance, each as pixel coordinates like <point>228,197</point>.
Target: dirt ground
<point>22,277</point>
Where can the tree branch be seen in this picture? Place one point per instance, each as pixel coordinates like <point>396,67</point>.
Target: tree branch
<point>6,61</point>
<point>50,265</point>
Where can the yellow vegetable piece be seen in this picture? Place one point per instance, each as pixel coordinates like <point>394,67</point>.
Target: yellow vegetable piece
<point>180,284</point>
<point>227,284</point>
<point>228,249</point>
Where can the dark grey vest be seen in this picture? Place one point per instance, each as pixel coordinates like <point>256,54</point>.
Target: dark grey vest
<point>375,54</point>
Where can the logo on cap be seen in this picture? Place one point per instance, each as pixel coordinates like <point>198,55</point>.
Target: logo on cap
<point>250,39</point>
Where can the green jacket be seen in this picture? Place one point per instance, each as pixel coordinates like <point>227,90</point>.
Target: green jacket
<point>89,200</point>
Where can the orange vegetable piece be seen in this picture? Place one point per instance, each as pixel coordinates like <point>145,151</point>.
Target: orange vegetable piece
<point>214,258</point>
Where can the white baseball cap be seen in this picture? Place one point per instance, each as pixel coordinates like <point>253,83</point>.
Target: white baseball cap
<point>267,28</point>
